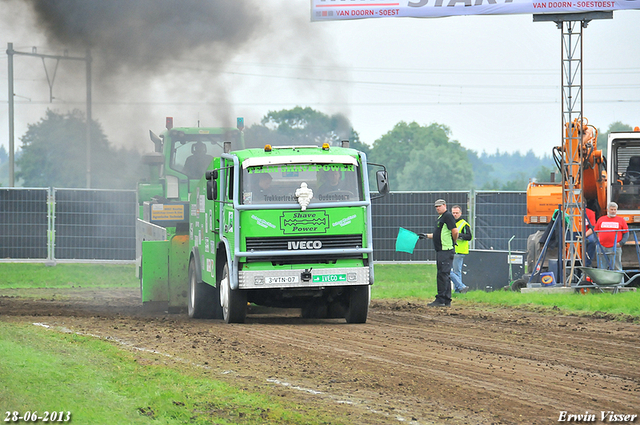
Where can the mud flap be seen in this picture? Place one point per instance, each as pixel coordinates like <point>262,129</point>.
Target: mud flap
<point>165,277</point>
<point>178,273</point>
<point>155,279</point>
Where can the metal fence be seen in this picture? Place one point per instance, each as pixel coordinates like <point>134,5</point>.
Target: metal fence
<point>413,211</point>
<point>86,224</point>
<point>497,217</point>
<point>67,224</point>
<point>24,223</point>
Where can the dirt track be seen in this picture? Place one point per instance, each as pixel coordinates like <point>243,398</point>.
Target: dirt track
<point>407,364</point>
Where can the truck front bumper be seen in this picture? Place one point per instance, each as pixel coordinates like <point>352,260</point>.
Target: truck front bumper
<point>301,278</point>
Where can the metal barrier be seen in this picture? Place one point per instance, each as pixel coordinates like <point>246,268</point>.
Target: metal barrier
<point>498,216</point>
<point>67,224</point>
<point>24,223</point>
<point>100,225</point>
<point>413,211</point>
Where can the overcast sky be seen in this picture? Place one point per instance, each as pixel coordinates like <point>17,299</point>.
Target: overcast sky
<point>493,80</point>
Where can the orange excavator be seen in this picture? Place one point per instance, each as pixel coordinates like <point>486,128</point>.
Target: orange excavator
<point>599,181</point>
<point>543,198</point>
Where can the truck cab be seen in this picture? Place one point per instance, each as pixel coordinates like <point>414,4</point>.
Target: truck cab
<point>624,170</point>
<point>285,227</point>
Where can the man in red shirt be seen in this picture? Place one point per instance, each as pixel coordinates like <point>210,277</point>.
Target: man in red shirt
<point>612,232</point>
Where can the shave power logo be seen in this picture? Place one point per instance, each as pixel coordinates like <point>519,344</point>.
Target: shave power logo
<point>304,222</point>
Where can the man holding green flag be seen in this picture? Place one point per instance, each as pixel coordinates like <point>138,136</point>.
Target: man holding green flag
<point>444,238</point>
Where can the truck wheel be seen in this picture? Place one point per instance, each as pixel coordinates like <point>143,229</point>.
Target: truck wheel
<point>359,297</point>
<point>203,301</point>
<point>234,303</point>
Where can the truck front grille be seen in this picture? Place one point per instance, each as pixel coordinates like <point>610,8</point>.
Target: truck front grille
<point>293,242</point>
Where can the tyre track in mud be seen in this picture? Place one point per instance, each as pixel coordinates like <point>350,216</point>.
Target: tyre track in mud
<point>488,366</point>
<point>407,364</point>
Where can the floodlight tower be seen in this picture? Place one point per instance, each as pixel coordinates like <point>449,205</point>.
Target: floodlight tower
<point>572,26</point>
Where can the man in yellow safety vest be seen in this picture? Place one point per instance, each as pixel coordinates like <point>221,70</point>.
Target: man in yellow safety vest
<point>462,249</point>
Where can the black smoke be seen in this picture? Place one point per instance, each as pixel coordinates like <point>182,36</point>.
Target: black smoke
<point>204,62</point>
<point>138,35</point>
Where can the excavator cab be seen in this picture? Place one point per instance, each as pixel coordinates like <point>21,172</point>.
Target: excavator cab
<point>624,163</point>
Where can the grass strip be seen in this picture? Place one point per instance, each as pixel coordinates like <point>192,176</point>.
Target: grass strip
<point>99,383</point>
<point>28,275</point>
<point>418,282</point>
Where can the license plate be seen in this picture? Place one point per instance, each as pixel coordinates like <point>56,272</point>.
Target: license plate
<point>281,279</point>
<point>325,278</point>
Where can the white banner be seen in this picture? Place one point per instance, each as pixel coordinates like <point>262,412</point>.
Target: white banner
<point>333,10</point>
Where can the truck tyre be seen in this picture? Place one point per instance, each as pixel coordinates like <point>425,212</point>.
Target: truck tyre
<point>234,303</point>
<point>203,301</point>
<point>359,297</point>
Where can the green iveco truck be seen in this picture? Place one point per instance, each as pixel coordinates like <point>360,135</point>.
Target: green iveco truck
<point>282,227</point>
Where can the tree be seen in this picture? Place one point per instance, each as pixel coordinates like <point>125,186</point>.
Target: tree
<point>300,126</point>
<point>603,138</point>
<point>544,174</point>
<point>54,154</point>
<point>4,156</point>
<point>482,171</point>
<point>423,158</point>
<point>511,171</point>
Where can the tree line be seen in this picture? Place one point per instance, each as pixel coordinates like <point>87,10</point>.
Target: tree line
<point>418,157</point>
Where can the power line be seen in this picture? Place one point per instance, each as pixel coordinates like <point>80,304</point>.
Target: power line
<point>265,103</point>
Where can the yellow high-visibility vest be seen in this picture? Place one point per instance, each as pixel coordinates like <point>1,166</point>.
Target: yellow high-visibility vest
<point>462,246</point>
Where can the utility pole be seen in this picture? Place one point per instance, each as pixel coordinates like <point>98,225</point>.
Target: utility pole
<point>10,53</point>
<point>87,60</point>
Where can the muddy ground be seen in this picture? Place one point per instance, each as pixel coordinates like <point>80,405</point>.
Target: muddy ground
<point>407,364</point>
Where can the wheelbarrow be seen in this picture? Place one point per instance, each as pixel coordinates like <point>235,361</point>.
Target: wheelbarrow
<point>601,278</point>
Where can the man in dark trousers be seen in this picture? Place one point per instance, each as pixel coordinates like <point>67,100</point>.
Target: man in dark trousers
<point>444,240</point>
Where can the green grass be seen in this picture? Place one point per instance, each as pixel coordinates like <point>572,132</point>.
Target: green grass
<point>101,384</point>
<point>624,303</point>
<point>418,282</point>
<point>28,275</point>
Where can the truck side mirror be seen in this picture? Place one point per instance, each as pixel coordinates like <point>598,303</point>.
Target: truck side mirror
<point>212,187</point>
<point>383,182</point>
<point>212,190</point>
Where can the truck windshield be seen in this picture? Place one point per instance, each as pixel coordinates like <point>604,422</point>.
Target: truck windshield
<point>192,153</point>
<point>277,184</point>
